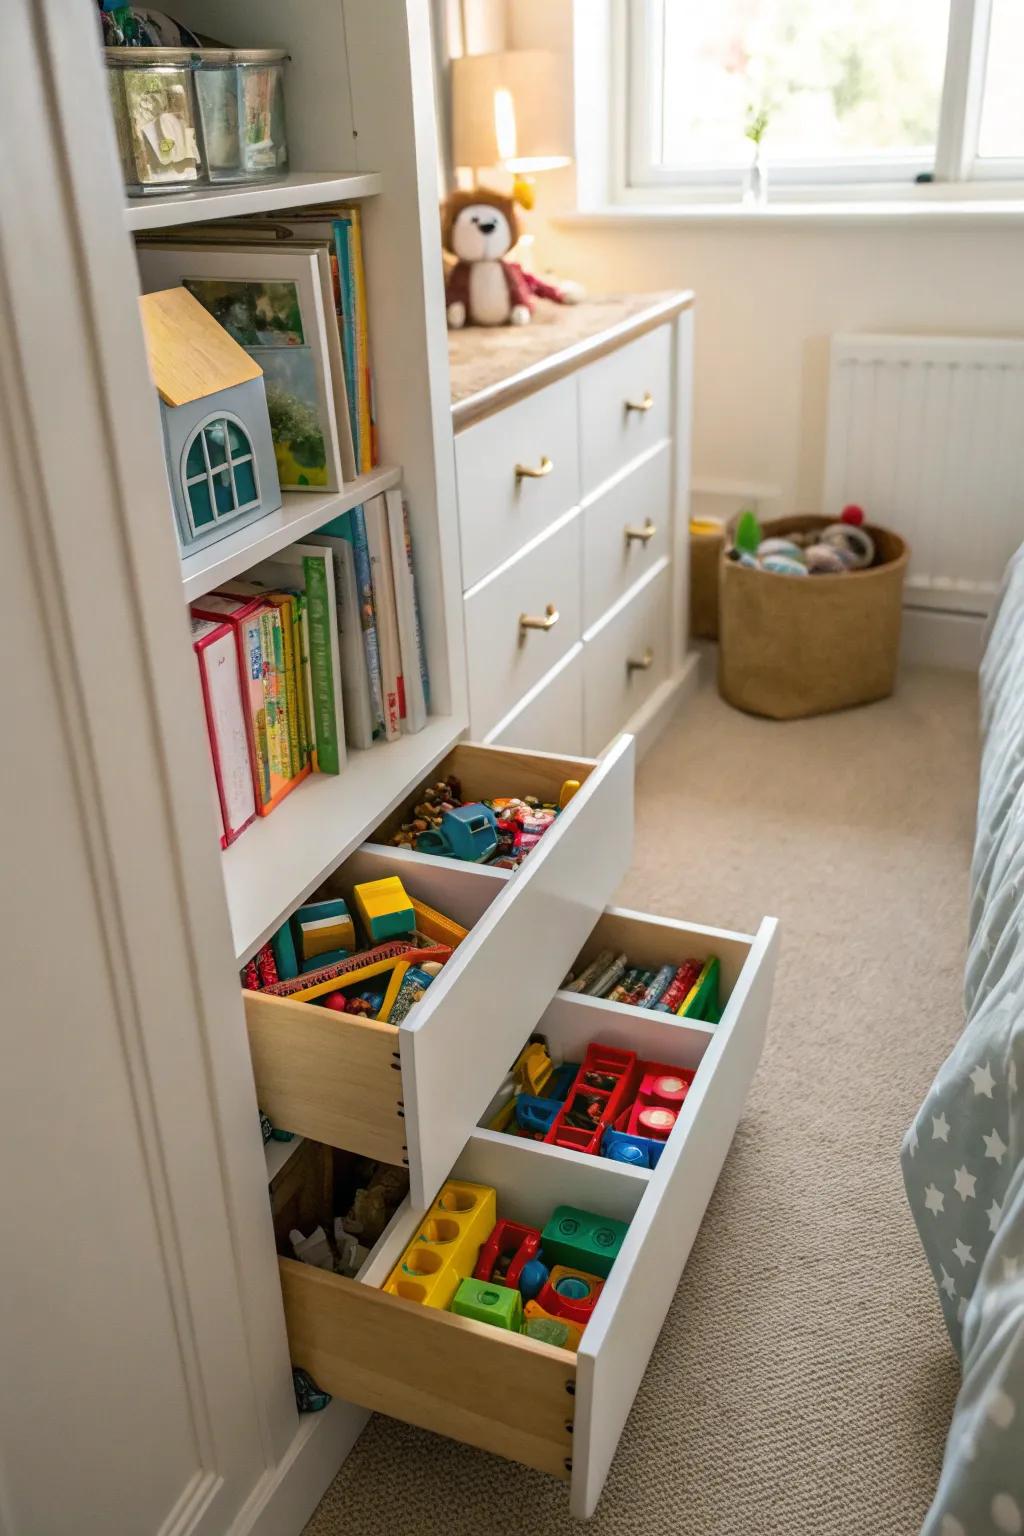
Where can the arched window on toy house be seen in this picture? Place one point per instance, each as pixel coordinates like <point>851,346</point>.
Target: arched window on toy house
<point>218,474</point>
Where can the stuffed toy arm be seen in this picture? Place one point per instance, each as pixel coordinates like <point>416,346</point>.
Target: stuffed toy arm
<point>558,293</point>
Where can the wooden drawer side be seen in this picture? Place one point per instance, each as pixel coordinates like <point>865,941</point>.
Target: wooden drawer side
<point>328,1076</point>
<point>477,1384</point>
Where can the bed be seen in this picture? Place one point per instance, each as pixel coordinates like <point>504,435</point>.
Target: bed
<point>963,1158</point>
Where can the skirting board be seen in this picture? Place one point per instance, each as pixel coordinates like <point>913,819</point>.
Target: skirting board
<point>290,1492</point>
<point>934,639</point>
<point>649,721</point>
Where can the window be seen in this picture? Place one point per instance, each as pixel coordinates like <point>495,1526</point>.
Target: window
<point>218,473</point>
<point>869,91</point>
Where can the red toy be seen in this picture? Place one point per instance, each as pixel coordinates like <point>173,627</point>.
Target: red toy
<point>570,1293</point>
<point>602,1086</point>
<point>852,514</point>
<point>658,1100</point>
<point>509,1245</point>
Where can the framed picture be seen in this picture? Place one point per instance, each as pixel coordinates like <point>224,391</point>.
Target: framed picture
<point>271,302</point>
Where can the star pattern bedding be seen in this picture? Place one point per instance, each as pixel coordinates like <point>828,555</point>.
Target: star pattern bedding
<point>963,1157</point>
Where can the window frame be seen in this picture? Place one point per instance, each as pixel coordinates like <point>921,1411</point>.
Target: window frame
<point>231,459</point>
<point>638,177</point>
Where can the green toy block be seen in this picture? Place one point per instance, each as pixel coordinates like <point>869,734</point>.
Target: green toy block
<point>581,1240</point>
<point>487,1303</point>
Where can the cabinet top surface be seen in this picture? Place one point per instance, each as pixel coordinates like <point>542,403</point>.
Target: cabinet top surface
<point>493,366</point>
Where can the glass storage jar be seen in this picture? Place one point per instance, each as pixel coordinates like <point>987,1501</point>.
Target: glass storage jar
<point>241,108</point>
<point>152,95</point>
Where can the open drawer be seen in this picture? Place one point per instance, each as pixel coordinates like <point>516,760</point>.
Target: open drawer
<point>412,1094</point>
<point>544,1406</point>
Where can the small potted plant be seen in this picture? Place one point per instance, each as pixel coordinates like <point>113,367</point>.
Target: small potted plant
<point>755,191</point>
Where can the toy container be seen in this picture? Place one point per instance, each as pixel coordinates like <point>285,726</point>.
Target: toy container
<point>240,92</point>
<point>152,94</point>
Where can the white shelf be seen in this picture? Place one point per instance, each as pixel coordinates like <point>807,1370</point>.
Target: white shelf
<point>161,210</point>
<point>301,512</point>
<point>277,1153</point>
<point>281,858</point>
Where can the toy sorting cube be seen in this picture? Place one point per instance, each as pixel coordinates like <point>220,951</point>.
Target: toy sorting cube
<point>509,1247</point>
<point>534,1313</point>
<point>322,927</point>
<point>445,1248</point>
<point>583,1240</point>
<point>570,1294</point>
<point>384,908</point>
<point>487,1302</point>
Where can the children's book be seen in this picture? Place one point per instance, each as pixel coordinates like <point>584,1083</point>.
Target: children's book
<point>355,680</point>
<point>290,709</point>
<point>217,657</point>
<point>308,569</point>
<point>244,617</point>
<point>351,526</point>
<point>387,617</point>
<point>412,682</point>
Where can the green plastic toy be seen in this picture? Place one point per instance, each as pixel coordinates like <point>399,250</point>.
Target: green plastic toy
<point>748,533</point>
<point>581,1240</point>
<point>486,1303</point>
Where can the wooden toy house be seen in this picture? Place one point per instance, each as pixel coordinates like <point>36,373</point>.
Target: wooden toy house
<point>217,438</point>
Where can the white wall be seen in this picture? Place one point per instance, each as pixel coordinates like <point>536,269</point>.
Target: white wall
<point>769,299</point>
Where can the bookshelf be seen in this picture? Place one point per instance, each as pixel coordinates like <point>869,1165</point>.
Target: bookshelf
<point>298,188</point>
<point>301,512</point>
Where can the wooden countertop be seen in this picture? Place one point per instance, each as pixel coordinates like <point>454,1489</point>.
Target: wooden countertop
<point>491,366</point>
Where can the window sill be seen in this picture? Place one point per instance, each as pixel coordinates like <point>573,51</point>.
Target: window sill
<point>933,213</point>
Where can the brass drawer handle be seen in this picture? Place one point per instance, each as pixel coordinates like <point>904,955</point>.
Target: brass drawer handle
<point>643,665</point>
<point>534,621</point>
<point>641,405</point>
<point>644,535</point>
<point>527,472</point>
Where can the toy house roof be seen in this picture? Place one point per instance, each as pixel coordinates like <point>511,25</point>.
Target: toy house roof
<point>190,354</point>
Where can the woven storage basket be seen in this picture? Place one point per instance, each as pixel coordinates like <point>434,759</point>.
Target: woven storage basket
<point>794,645</point>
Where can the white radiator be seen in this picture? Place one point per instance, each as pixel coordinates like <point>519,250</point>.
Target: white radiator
<point>926,433</point>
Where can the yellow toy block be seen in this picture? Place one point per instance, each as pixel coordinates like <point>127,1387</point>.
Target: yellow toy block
<point>434,925</point>
<point>532,1069</point>
<point>534,1309</point>
<point>384,908</point>
<point>446,1246</point>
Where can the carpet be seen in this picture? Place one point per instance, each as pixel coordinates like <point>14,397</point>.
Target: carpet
<point>803,1383</point>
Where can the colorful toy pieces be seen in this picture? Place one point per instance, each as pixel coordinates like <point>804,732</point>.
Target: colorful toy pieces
<point>613,1106</point>
<point>831,551</point>
<point>689,990</point>
<point>497,1272</point>
<point>499,832</point>
<point>313,957</point>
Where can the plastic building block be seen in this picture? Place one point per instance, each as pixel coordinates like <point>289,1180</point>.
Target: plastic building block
<point>468,832</point>
<point>548,1330</point>
<point>638,1151</point>
<point>433,925</point>
<point>565,794</point>
<point>384,908</point>
<point>487,1302</point>
<point>602,1085</point>
<point>561,1080</point>
<point>322,926</point>
<point>533,1068</point>
<point>505,1252</point>
<point>534,1116</point>
<point>570,1294</point>
<point>583,1240</point>
<point>532,1278</point>
<point>533,1313</point>
<point>285,957</point>
<point>445,1248</point>
<point>658,1101</point>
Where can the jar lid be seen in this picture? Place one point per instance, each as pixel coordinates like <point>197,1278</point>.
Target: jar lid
<point>240,55</point>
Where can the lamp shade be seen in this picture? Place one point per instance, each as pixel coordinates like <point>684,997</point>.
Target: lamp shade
<point>511,109</point>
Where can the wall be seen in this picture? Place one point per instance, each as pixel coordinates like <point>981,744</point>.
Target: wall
<point>769,299</point>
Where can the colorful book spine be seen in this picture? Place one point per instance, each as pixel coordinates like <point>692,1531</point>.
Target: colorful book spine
<point>321,625</point>
<point>274,693</point>
<point>285,605</point>
<point>389,648</point>
<point>217,657</point>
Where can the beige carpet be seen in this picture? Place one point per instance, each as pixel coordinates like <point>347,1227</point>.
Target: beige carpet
<point>802,1383</point>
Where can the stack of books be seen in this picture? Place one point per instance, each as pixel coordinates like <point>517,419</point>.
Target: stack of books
<point>297,663</point>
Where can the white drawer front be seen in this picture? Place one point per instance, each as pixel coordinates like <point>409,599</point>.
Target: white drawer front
<point>504,657</point>
<point>552,721</point>
<point>626,532</point>
<point>625,661</point>
<point>616,422</point>
<point>501,509</point>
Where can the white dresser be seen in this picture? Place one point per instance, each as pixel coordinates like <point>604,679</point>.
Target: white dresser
<point>572,454</point>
